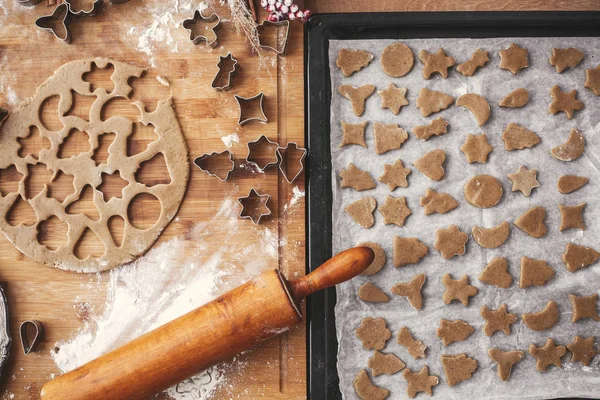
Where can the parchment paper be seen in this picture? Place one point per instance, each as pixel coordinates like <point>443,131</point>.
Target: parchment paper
<point>493,83</point>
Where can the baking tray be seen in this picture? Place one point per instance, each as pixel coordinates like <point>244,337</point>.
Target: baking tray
<point>322,344</point>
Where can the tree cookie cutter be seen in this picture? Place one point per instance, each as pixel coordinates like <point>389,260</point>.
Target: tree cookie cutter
<point>280,47</point>
<point>61,13</point>
<point>262,144</point>
<point>90,12</point>
<point>196,38</point>
<point>247,105</point>
<point>201,162</point>
<point>285,154</point>
<point>254,206</point>
<point>29,344</point>
<point>5,340</point>
<point>228,66</point>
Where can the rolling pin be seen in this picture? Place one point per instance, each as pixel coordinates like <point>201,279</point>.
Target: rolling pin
<point>236,321</point>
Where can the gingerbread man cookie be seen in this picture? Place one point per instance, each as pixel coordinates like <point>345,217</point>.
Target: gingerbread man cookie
<point>547,355</point>
<point>435,63</point>
<point>564,102</point>
<point>420,381</point>
<point>497,320</point>
<point>458,289</point>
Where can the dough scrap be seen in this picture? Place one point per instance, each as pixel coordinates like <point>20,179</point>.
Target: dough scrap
<point>458,368</point>
<point>583,350</point>
<point>547,355</point>
<point>592,79</point>
<point>437,127</point>
<point>534,272</point>
<point>532,222</point>
<point>577,257</point>
<point>516,99</point>
<point>450,242</point>
<point>434,202</point>
<point>430,101</point>
<point>569,183</point>
<point>457,289</point>
<point>505,360</point>
<point>362,210</point>
<point>395,211</point>
<point>388,137</point>
<point>372,294</point>
<point>432,164</point>
<point>566,58</point>
<point>435,63</point>
<point>514,59</point>
<point>397,60</point>
<point>408,251</point>
<point>572,149</point>
<point>373,333</point>
<point>544,319</point>
<point>385,364</point>
<point>516,137</point>
<point>411,290</point>
<point>453,331</point>
<point>353,134</point>
<point>491,238</point>
<point>394,175</point>
<point>478,59</point>
<point>351,61</point>
<point>524,180</point>
<point>584,307</point>
<point>378,261</point>
<point>497,320</point>
<point>476,148</point>
<point>366,390</point>
<point>496,273</point>
<point>357,179</point>
<point>483,191</point>
<point>393,98</point>
<point>564,102</point>
<point>357,96</point>
<point>420,381</point>
<point>415,347</point>
<point>477,104</point>
<point>571,217</point>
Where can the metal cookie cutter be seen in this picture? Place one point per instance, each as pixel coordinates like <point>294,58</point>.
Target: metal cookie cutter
<point>209,32</point>
<point>5,339</point>
<point>247,106</point>
<point>90,12</point>
<point>255,206</point>
<point>228,67</point>
<point>277,47</point>
<point>264,146</point>
<point>28,3</point>
<point>61,13</point>
<point>201,162</point>
<point>30,345</point>
<point>291,152</point>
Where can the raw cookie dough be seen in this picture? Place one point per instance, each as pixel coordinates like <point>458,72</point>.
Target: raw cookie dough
<point>395,211</point>
<point>435,63</point>
<point>450,242</point>
<point>483,191</point>
<point>353,134</point>
<point>516,99</point>
<point>415,347</point>
<point>496,273</point>
<point>411,290</point>
<point>571,217</point>
<point>592,79</point>
<point>532,222</point>
<point>514,58</point>
<point>478,105</point>
<point>393,98</point>
<point>577,257</point>
<point>437,127</point>
<point>408,251</point>
<point>583,350</point>
<point>569,183</point>
<point>373,333</point>
<point>544,319</point>
<point>534,273</point>
<point>357,96</point>
<point>453,331</point>
<point>362,210</point>
<point>434,202</point>
<point>397,60</point>
<point>351,61</point>
<point>388,137</point>
<point>420,381</point>
<point>564,102</point>
<point>505,360</point>
<point>432,164</point>
<point>372,294</point>
<point>355,178</point>
<point>516,137</point>
<point>584,307</point>
<point>430,101</point>
<point>565,58</point>
<point>378,261</point>
<point>394,175</point>
<point>524,180</point>
<point>366,390</point>
<point>458,368</point>
<point>476,148</point>
<point>572,149</point>
<point>547,355</point>
<point>385,364</point>
<point>478,59</point>
<point>490,238</point>
<point>498,320</point>
<point>458,289</point>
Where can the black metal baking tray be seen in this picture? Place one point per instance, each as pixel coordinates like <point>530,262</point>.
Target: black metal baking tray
<point>323,382</point>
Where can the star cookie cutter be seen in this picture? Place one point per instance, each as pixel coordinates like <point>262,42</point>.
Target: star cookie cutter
<point>90,12</point>
<point>201,162</point>
<point>253,204</point>
<point>28,344</point>
<point>246,105</point>
<point>228,67</point>
<point>61,13</point>
<point>278,48</point>
<point>211,39</point>
<point>285,154</point>
<point>262,145</point>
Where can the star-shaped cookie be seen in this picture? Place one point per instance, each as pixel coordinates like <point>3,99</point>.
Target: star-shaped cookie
<point>435,62</point>
<point>476,148</point>
<point>547,355</point>
<point>395,210</point>
<point>497,320</point>
<point>458,289</point>
<point>450,242</point>
<point>564,102</point>
<point>393,98</point>
<point>584,307</point>
<point>420,381</point>
<point>571,217</point>
<point>592,79</point>
<point>524,180</point>
<point>353,134</point>
<point>514,58</point>
<point>582,350</point>
<point>394,175</point>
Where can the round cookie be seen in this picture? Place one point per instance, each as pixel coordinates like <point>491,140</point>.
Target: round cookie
<point>397,60</point>
<point>378,261</point>
<point>483,191</point>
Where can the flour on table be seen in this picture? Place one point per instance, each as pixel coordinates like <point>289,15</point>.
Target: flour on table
<point>297,195</point>
<point>229,140</point>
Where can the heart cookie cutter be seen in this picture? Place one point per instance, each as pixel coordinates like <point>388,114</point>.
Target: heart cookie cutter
<point>61,13</point>
<point>228,66</point>
<point>247,105</point>
<point>288,153</point>
<point>30,345</point>
<point>197,38</point>
<point>200,162</point>
<point>263,144</point>
<point>96,5</point>
<point>277,48</point>
<point>253,206</point>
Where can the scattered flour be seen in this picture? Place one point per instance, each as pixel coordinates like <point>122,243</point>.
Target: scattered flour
<point>229,140</point>
<point>163,81</point>
<point>297,195</point>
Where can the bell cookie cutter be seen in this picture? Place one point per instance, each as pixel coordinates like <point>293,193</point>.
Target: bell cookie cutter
<point>284,154</point>
<point>228,66</point>
<point>278,48</point>
<point>90,12</point>
<point>28,344</point>
<point>213,19</point>
<point>61,13</point>
<point>200,162</point>
<point>247,105</point>
<point>262,143</point>
<point>253,211</point>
